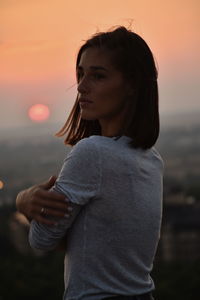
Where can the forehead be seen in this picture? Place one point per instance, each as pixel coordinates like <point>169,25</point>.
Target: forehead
<point>95,57</point>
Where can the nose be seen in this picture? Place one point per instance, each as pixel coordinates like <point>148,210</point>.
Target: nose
<point>83,86</point>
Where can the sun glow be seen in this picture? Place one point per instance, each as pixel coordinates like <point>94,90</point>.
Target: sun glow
<point>39,113</point>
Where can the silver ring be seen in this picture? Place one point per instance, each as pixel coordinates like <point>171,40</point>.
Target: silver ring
<point>42,211</point>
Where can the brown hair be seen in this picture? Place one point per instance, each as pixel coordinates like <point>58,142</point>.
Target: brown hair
<point>132,56</point>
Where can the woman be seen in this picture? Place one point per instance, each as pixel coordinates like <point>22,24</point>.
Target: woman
<point>112,178</point>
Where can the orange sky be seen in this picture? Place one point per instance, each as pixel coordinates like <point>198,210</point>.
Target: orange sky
<point>39,40</point>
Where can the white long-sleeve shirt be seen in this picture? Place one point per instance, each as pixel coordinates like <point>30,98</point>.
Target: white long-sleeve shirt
<point>113,233</point>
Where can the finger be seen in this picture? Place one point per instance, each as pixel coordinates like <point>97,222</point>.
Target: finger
<point>49,183</point>
<point>55,205</point>
<point>45,211</point>
<point>57,196</point>
<point>56,213</point>
<point>41,194</point>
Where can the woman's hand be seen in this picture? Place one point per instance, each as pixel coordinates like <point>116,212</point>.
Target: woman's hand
<point>37,202</point>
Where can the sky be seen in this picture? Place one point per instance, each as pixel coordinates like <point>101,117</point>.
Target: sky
<point>39,40</point>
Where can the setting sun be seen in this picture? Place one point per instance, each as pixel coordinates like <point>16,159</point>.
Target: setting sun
<point>39,113</point>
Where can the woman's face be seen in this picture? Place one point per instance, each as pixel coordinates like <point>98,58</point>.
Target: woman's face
<point>101,85</point>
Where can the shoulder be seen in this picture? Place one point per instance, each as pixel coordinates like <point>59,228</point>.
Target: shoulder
<point>93,148</point>
<point>92,143</point>
<point>85,144</point>
<point>87,148</point>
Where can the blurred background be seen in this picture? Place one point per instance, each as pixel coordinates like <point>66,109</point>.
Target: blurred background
<point>39,40</point>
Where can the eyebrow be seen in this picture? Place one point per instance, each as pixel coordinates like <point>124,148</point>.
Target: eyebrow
<point>94,68</point>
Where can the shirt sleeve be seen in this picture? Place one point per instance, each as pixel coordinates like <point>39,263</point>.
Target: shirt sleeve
<point>79,180</point>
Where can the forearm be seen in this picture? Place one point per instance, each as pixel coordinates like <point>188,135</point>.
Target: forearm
<point>44,237</point>
<point>47,237</point>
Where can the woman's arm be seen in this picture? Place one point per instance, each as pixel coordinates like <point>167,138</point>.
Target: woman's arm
<point>79,180</point>
<point>48,237</point>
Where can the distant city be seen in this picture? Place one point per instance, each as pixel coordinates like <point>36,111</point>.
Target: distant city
<point>31,155</point>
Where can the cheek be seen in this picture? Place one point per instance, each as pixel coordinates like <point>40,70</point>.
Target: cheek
<point>111,97</point>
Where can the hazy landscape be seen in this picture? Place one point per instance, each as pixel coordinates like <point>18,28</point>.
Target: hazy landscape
<point>30,155</point>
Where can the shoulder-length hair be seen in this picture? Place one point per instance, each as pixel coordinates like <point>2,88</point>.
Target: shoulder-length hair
<point>134,59</point>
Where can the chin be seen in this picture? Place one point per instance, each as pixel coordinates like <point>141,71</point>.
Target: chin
<point>88,116</point>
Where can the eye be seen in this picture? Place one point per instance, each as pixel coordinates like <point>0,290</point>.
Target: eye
<point>98,76</point>
<point>95,76</point>
<point>79,76</point>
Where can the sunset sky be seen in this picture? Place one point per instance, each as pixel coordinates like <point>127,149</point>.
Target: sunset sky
<point>39,40</point>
